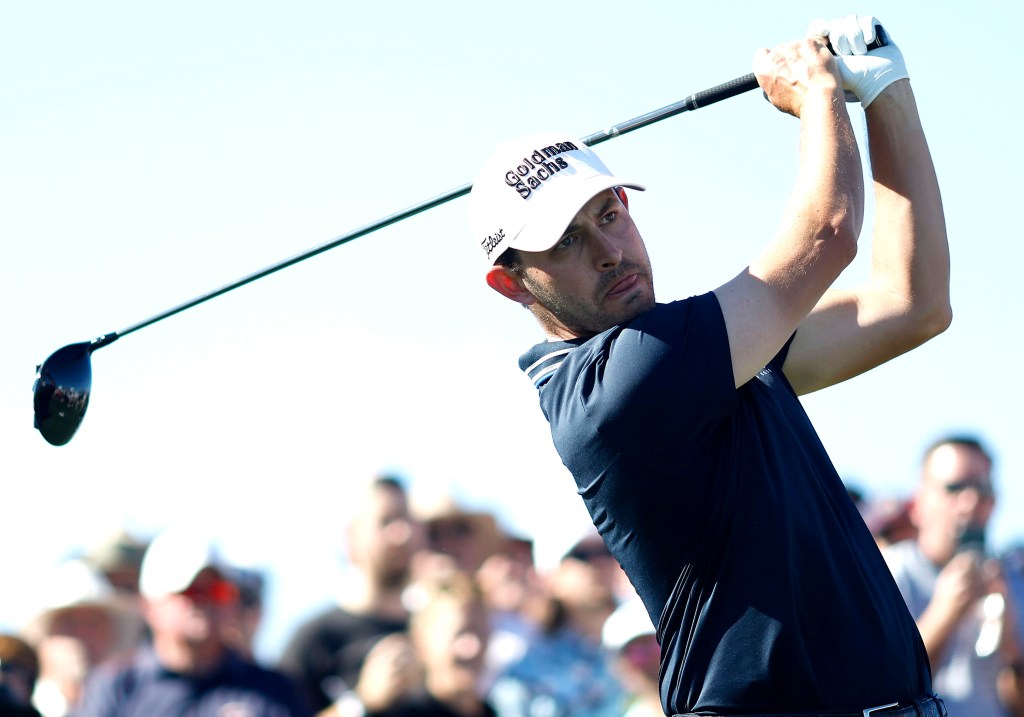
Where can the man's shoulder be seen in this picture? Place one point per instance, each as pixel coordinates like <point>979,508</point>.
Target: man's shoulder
<point>259,678</point>
<point>543,359</point>
<point>905,559</point>
<point>134,665</point>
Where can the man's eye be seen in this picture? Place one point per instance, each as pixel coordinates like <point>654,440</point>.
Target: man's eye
<point>610,216</point>
<point>566,241</point>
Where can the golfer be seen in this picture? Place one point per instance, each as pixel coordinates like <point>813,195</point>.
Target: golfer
<point>680,422</point>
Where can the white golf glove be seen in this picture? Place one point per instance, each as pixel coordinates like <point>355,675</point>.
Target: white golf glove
<point>865,72</point>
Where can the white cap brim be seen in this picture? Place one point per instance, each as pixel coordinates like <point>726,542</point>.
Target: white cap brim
<point>552,218</point>
<point>529,190</point>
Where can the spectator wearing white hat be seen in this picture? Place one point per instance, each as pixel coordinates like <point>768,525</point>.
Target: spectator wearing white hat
<point>190,603</point>
<point>631,639</point>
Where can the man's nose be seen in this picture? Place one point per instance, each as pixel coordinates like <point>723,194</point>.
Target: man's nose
<point>398,532</point>
<point>607,252</point>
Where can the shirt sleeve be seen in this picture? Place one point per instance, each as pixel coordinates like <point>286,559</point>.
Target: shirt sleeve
<point>662,376</point>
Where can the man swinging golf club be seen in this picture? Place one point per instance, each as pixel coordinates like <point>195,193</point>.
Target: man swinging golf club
<point>680,422</point>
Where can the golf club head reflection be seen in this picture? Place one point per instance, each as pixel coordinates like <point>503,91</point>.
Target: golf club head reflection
<point>61,392</point>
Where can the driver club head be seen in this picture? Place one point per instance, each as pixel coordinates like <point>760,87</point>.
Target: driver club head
<point>61,392</point>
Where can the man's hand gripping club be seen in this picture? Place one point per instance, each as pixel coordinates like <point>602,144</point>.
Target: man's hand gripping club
<point>868,59</point>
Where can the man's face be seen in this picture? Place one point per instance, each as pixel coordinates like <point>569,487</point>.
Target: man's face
<point>596,276</point>
<point>384,537</point>
<point>956,492</point>
<point>453,643</point>
<point>198,614</point>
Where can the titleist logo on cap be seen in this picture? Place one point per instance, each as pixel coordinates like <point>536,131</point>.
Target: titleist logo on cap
<point>492,242</point>
<point>541,165</point>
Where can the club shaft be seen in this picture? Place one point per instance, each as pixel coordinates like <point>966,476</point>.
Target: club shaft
<point>694,101</point>
<point>309,253</point>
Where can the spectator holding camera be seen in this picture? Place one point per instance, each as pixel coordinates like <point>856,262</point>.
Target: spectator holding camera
<point>955,591</point>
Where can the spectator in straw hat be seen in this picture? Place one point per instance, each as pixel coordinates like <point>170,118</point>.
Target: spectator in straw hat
<point>82,622</point>
<point>118,558</point>
<point>464,537</point>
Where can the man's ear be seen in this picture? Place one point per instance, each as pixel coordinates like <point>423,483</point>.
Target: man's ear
<point>508,285</point>
<point>621,191</point>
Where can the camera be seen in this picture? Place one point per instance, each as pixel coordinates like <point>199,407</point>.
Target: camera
<point>971,538</point>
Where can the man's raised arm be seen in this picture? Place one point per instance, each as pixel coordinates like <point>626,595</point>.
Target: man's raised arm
<point>905,301</point>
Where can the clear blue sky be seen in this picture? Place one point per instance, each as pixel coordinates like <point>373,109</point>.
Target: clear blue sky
<point>149,154</point>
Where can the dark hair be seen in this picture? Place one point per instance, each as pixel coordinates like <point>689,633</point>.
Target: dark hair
<point>389,480</point>
<point>511,260</point>
<point>961,440</point>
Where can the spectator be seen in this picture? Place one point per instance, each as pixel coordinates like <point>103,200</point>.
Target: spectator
<point>189,603</point>
<point>465,537</point>
<point>118,558</point>
<point>326,653</point>
<point>630,637</point>
<point>888,519</point>
<point>515,596</point>
<point>1011,687</point>
<point>19,669</point>
<point>954,591</point>
<point>82,623</point>
<point>447,639</point>
<point>251,586</point>
<point>565,672</point>
<point>472,542</point>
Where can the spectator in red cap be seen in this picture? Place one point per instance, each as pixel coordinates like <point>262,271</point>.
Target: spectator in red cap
<point>190,602</point>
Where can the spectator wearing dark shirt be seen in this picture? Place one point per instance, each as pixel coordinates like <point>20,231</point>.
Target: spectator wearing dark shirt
<point>327,653</point>
<point>189,601</point>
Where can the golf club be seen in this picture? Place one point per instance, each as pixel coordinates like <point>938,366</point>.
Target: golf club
<point>64,380</point>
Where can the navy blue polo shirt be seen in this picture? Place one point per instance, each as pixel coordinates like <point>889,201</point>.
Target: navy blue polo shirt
<point>727,515</point>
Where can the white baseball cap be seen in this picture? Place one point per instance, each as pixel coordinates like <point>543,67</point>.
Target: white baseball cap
<point>530,189</point>
<point>629,621</point>
<point>174,559</point>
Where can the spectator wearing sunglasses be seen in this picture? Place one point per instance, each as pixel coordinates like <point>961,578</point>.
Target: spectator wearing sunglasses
<point>565,672</point>
<point>191,605</point>
<point>955,590</point>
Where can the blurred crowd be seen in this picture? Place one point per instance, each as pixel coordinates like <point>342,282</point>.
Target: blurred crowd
<point>448,615</point>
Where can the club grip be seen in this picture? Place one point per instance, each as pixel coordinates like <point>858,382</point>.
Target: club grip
<point>749,82</point>
<point>721,92</point>
<point>881,40</point>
